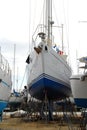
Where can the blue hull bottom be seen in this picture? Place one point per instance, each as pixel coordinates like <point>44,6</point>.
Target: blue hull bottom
<point>81,102</point>
<point>53,89</point>
<point>3,105</point>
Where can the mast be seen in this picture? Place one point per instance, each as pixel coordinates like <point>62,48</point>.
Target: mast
<point>14,68</point>
<point>49,21</point>
<point>17,80</point>
<point>62,38</point>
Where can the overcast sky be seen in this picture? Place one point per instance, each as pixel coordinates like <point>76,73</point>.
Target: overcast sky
<point>19,19</point>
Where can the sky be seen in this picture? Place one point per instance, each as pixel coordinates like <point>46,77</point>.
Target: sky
<point>19,19</point>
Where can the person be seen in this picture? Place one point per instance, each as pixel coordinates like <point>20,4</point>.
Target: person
<point>25,94</point>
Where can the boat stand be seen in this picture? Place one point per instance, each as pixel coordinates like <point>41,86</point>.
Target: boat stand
<point>66,119</point>
<point>68,115</point>
<point>47,109</point>
<point>83,123</point>
<point>1,113</point>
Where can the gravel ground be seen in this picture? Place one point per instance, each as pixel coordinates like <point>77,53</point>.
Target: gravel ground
<point>9,123</point>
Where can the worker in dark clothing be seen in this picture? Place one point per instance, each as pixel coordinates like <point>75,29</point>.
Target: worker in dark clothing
<point>25,94</point>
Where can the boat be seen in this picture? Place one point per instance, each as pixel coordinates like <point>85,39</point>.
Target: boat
<point>48,71</point>
<point>79,85</point>
<point>5,82</point>
<point>16,97</point>
<point>15,100</point>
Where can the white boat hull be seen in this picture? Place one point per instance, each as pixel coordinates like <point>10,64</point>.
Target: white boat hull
<point>14,99</point>
<point>79,89</point>
<point>48,73</point>
<point>5,85</point>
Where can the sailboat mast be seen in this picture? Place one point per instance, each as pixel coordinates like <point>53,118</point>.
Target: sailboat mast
<point>62,38</point>
<point>49,20</point>
<point>14,68</point>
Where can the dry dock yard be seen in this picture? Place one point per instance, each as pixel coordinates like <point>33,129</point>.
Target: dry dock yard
<point>20,121</point>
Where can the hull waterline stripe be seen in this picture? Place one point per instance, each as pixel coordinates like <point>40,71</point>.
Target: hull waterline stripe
<point>49,78</point>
